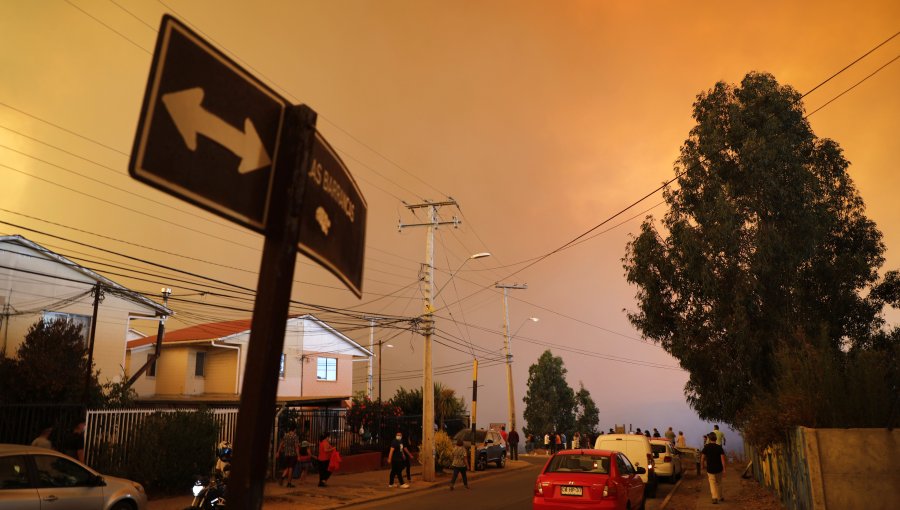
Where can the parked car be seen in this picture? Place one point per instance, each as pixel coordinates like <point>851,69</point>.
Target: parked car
<point>589,480</point>
<point>666,459</point>
<point>489,447</point>
<point>34,478</point>
<point>637,448</point>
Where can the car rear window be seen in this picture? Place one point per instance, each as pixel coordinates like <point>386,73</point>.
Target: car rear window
<point>466,435</point>
<point>658,449</point>
<point>579,463</point>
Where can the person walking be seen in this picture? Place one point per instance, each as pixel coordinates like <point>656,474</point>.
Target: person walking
<point>557,442</point>
<point>460,463</point>
<point>289,450</point>
<point>720,436</point>
<point>324,457</point>
<point>713,460</point>
<point>513,440</point>
<point>397,462</point>
<point>407,457</point>
<point>304,462</point>
<point>547,443</point>
<point>680,441</point>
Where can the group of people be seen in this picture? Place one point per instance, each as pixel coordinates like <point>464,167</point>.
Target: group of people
<point>297,459</point>
<point>72,444</point>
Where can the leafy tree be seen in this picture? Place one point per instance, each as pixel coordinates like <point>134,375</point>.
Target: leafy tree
<point>447,405</point>
<point>549,401</point>
<point>52,364</point>
<point>587,415</point>
<point>765,242</point>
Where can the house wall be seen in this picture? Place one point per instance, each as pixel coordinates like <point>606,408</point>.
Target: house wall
<point>195,384</point>
<point>35,293</point>
<point>171,370</point>
<point>221,366</point>
<point>135,359</point>
<point>312,387</point>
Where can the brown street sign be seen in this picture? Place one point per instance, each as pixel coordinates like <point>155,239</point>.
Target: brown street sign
<point>333,217</point>
<point>209,130</point>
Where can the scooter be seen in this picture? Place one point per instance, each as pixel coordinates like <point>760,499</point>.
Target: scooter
<point>209,492</point>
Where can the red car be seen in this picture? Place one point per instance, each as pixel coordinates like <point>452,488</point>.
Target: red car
<point>588,480</point>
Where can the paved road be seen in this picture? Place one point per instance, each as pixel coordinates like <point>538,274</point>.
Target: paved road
<point>508,491</point>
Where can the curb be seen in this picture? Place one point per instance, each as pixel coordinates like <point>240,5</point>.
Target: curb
<point>435,486</point>
<point>671,493</point>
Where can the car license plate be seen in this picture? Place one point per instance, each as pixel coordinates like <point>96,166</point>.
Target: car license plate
<point>568,490</point>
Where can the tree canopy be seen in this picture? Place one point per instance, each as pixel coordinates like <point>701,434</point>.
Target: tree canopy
<point>765,245</point>
<point>587,415</point>
<point>549,401</point>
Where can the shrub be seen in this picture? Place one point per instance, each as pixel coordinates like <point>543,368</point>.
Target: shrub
<point>443,449</point>
<point>173,449</point>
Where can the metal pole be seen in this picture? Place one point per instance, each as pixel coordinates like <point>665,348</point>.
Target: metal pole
<point>428,376</point>
<point>370,389</point>
<point>474,405</point>
<point>381,343</point>
<point>98,296</point>
<point>509,378</point>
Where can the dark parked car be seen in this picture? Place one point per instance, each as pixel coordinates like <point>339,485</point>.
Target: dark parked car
<point>489,447</point>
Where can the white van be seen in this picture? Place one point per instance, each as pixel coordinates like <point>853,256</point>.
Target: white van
<point>637,448</point>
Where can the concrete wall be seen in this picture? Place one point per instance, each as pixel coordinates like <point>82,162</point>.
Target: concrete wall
<point>844,469</point>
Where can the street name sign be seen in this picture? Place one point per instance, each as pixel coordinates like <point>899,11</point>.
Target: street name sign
<point>333,217</point>
<point>209,130</point>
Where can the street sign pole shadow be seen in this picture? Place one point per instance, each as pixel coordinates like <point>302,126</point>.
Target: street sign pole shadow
<point>270,311</point>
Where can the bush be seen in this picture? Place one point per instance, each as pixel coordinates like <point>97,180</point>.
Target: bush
<point>173,449</point>
<point>443,449</point>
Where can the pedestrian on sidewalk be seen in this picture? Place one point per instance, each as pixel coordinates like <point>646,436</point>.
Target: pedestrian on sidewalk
<point>324,458</point>
<point>289,451</point>
<point>460,463</point>
<point>304,462</point>
<point>43,439</point>
<point>713,460</point>
<point>513,440</point>
<point>407,458</point>
<point>547,443</point>
<point>397,462</point>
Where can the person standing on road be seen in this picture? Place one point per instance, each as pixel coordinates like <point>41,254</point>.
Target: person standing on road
<point>73,445</point>
<point>547,443</point>
<point>43,439</point>
<point>576,440</point>
<point>460,463</point>
<point>713,460</point>
<point>720,436</point>
<point>397,461</point>
<point>513,441</point>
<point>680,442</point>
<point>290,450</point>
<point>324,457</point>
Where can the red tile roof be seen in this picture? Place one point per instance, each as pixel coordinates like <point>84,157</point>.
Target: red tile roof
<point>211,331</point>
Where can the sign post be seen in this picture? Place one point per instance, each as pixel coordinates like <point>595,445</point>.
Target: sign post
<point>214,135</point>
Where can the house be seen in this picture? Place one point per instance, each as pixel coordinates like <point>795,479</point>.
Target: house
<point>36,283</point>
<point>205,363</point>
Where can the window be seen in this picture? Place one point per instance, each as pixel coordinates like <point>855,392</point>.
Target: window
<point>79,320</point>
<point>281,367</point>
<point>13,473</point>
<point>326,369</point>
<point>199,363</point>
<point>56,471</point>
<point>582,463</point>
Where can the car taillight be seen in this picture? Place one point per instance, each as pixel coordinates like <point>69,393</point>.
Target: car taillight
<point>539,487</point>
<point>609,490</point>
<point>667,458</point>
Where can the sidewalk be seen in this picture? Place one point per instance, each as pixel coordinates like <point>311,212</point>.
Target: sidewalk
<point>692,493</point>
<point>343,490</point>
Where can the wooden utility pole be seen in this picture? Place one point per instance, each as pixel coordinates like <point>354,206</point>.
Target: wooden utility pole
<point>427,457</point>
<point>509,378</point>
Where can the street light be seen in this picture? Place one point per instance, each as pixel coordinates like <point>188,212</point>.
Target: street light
<point>532,319</point>
<point>454,273</point>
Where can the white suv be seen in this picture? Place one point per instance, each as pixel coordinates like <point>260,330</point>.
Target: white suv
<point>667,459</point>
<point>637,448</point>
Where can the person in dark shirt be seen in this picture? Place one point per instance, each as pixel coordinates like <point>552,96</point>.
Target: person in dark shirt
<point>512,440</point>
<point>73,444</point>
<point>713,460</point>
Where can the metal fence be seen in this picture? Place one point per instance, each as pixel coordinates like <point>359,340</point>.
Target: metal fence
<point>112,433</point>
<point>21,423</point>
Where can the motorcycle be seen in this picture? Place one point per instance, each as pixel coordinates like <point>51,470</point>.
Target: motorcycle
<point>209,492</point>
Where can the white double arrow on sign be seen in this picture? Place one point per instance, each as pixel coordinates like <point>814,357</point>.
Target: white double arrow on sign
<point>185,107</point>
